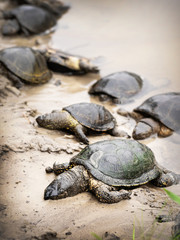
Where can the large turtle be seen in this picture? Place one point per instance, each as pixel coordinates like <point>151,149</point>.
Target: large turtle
<point>27,19</point>
<point>105,168</point>
<point>158,114</point>
<point>118,87</point>
<point>24,64</point>
<point>80,117</point>
<point>57,7</point>
<point>66,63</point>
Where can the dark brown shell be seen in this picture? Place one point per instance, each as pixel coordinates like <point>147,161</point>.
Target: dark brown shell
<point>164,108</point>
<point>34,19</point>
<point>26,63</point>
<point>120,162</point>
<point>91,115</point>
<point>120,85</point>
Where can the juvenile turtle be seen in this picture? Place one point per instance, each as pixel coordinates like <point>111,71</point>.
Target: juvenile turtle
<point>66,63</point>
<point>105,168</point>
<point>27,19</point>
<point>56,7</point>
<point>79,118</point>
<point>24,64</point>
<point>158,114</point>
<point>118,87</point>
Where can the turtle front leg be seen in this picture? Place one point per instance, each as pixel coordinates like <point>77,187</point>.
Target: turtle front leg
<point>106,193</point>
<point>58,168</point>
<point>79,131</point>
<point>166,179</point>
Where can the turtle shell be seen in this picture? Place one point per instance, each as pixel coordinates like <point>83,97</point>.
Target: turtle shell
<point>120,85</point>
<point>26,63</point>
<point>34,19</point>
<point>164,108</point>
<point>120,162</point>
<point>91,115</point>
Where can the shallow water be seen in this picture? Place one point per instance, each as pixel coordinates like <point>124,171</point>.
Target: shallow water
<point>138,36</point>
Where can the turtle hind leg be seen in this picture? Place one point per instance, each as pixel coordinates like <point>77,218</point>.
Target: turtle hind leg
<point>107,194</point>
<point>79,131</point>
<point>166,179</point>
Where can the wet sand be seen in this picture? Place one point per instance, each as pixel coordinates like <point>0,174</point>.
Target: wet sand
<point>137,36</point>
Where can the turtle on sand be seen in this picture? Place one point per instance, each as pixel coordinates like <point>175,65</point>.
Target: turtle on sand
<point>105,168</point>
<point>66,63</point>
<point>119,87</point>
<point>56,7</point>
<point>23,64</point>
<point>79,118</point>
<point>27,19</point>
<point>158,114</point>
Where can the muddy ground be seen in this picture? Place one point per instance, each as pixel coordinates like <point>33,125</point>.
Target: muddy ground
<point>138,36</point>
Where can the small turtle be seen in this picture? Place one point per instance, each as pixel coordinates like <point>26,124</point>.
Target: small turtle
<point>66,63</point>
<point>80,117</point>
<point>118,87</point>
<point>28,19</point>
<point>158,114</point>
<point>56,7</point>
<point>105,168</point>
<point>24,64</point>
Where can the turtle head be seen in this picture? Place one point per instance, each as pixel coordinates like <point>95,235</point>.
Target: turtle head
<point>50,120</point>
<point>68,184</point>
<point>56,190</point>
<point>10,27</point>
<point>145,128</point>
<point>142,131</point>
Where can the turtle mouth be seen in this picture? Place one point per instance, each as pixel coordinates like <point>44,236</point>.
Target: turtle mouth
<point>43,120</point>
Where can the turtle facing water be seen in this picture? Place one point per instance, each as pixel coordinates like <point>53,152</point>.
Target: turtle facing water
<point>79,118</point>
<point>24,64</point>
<point>27,19</point>
<point>158,114</point>
<point>105,168</point>
<point>119,87</point>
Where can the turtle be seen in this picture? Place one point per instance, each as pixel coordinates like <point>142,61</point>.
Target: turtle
<point>109,169</point>
<point>79,118</point>
<point>56,7</point>
<point>24,64</point>
<point>158,114</point>
<point>59,61</point>
<point>118,87</point>
<point>27,19</point>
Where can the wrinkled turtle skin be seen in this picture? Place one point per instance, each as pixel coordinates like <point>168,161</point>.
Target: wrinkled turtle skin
<point>118,87</point>
<point>79,118</point>
<point>158,114</point>
<point>105,168</point>
<point>24,64</point>
<point>27,19</point>
<point>56,7</point>
<point>59,61</point>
